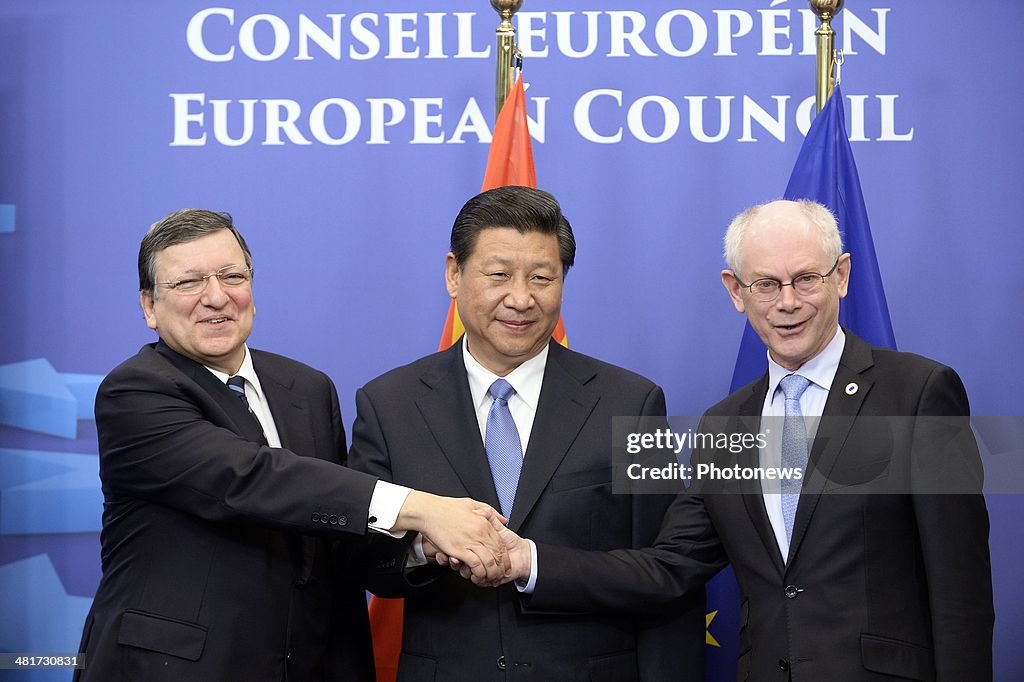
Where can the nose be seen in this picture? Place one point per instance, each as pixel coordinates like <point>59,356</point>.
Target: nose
<point>518,296</point>
<point>788,298</point>
<point>214,295</point>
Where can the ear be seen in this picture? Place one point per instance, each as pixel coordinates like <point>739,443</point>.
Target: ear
<point>452,275</point>
<point>146,302</point>
<point>732,285</point>
<point>842,274</point>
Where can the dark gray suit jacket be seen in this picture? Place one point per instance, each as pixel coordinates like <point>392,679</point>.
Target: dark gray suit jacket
<point>876,586</point>
<point>416,426</point>
<point>223,558</point>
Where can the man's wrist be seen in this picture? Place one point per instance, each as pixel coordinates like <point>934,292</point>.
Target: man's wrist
<point>526,584</point>
<point>412,514</point>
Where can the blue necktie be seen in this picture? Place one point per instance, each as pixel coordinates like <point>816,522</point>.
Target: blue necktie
<point>237,385</point>
<point>794,446</point>
<point>504,450</point>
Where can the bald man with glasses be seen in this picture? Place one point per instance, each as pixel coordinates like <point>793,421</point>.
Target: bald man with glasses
<point>874,565</point>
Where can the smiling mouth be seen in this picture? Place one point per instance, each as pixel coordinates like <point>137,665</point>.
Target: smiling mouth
<point>215,320</point>
<point>790,328</point>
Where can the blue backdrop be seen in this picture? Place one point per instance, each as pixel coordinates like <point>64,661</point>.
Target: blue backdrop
<point>344,137</point>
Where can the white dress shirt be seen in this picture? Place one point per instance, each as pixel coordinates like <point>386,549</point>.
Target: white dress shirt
<point>254,394</point>
<point>526,379</point>
<point>820,370</point>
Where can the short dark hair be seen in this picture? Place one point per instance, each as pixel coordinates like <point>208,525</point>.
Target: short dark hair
<point>523,209</point>
<point>179,227</point>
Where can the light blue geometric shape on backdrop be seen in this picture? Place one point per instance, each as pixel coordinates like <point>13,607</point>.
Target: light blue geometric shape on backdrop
<point>49,492</point>
<point>7,213</point>
<point>33,396</point>
<point>83,387</point>
<point>38,615</point>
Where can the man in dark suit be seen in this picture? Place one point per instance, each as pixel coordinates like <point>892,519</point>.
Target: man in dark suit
<point>878,568</point>
<point>445,424</point>
<point>229,522</point>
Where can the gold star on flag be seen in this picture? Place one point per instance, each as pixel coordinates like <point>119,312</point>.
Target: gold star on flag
<point>708,637</point>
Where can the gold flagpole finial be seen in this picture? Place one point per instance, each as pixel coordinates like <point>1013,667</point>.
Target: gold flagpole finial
<point>826,11</point>
<point>507,50</point>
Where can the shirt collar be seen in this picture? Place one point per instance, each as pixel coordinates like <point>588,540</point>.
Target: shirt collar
<point>821,369</point>
<point>246,371</point>
<point>526,379</point>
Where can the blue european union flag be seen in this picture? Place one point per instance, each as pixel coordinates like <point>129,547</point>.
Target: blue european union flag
<point>825,172</point>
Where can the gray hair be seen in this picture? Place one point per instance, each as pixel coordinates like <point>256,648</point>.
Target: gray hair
<point>818,214</point>
<point>179,227</point>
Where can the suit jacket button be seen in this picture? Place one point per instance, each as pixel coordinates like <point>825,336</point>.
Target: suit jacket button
<point>342,520</point>
<point>783,665</point>
<point>501,662</point>
<point>792,591</point>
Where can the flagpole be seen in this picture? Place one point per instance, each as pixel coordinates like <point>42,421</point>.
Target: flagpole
<point>826,11</point>
<point>507,50</point>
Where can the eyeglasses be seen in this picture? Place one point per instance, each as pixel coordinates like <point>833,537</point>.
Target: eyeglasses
<point>768,288</point>
<point>231,277</point>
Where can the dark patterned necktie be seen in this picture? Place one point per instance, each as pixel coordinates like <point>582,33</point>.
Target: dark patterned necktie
<point>237,385</point>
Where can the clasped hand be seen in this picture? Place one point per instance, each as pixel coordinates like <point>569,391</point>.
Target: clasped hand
<point>462,530</point>
<point>517,550</point>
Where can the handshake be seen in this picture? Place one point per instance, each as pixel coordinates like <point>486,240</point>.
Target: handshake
<point>468,536</point>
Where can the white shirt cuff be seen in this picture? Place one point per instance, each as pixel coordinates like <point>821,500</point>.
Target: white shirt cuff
<point>385,504</point>
<point>527,587</point>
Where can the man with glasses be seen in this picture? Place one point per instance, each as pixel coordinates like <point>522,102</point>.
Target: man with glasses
<point>849,574</point>
<point>230,523</point>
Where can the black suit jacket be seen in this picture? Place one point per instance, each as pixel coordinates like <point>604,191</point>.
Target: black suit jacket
<point>223,558</point>
<point>416,426</point>
<point>877,586</point>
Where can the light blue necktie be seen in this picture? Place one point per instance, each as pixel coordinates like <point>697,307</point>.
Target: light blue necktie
<point>794,446</point>
<point>504,450</point>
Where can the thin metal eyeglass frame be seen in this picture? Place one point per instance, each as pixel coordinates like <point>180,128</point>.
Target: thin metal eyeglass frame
<point>778,292</point>
<point>219,274</point>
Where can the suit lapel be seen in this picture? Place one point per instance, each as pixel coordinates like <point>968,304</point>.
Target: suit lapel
<point>753,495</point>
<point>563,408</point>
<point>244,423</point>
<point>448,412</point>
<point>292,415</point>
<point>840,409</point>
